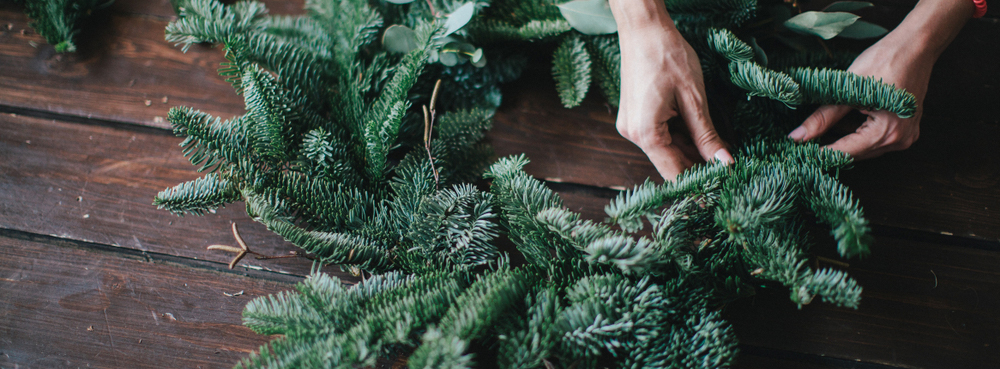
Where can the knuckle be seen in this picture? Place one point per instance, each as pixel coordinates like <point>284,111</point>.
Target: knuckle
<point>649,140</point>
<point>892,138</point>
<point>706,138</point>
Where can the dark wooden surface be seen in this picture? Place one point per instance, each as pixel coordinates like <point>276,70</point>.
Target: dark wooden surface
<point>68,306</point>
<point>88,267</point>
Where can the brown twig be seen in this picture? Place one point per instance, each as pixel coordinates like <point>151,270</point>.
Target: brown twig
<point>431,5</point>
<point>245,250</point>
<point>429,114</point>
<point>832,261</point>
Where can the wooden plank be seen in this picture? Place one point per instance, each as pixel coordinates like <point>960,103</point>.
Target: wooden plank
<point>68,307</point>
<point>924,305</point>
<point>751,357</point>
<point>95,183</point>
<point>127,72</point>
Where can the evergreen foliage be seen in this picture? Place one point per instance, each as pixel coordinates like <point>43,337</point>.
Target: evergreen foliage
<point>353,154</point>
<point>58,20</point>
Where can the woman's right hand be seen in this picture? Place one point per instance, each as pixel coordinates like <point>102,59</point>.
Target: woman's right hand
<point>661,78</point>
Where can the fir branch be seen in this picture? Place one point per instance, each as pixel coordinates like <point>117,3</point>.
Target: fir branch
<point>212,21</point>
<point>522,197</point>
<point>833,204</point>
<point>536,336</point>
<point>334,248</point>
<point>284,313</point>
<point>630,206</point>
<point>835,87</point>
<point>495,31</point>
<point>835,287</point>
<point>760,81</point>
<point>728,45</point>
<point>381,122</point>
<point>473,314</point>
<point>628,254</point>
<point>198,196</point>
<point>607,65</point>
<point>210,142</point>
<point>608,312</point>
<point>571,69</point>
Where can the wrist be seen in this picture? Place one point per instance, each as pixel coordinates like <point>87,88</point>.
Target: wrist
<point>637,16</point>
<point>933,24</point>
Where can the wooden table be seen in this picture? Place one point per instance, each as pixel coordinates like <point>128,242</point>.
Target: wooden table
<point>92,275</point>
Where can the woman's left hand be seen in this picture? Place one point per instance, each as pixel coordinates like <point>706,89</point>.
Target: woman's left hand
<point>903,58</point>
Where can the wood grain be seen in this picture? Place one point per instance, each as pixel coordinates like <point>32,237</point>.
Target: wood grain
<point>65,307</point>
<point>95,183</point>
<point>120,67</point>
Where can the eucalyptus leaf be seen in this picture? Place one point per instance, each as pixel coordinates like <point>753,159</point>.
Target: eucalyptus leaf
<point>399,39</point>
<point>478,59</point>
<point>448,58</point>
<point>862,29</point>
<point>460,17</point>
<point>400,2</point>
<point>590,17</point>
<point>758,52</point>
<point>822,24</point>
<point>847,6</point>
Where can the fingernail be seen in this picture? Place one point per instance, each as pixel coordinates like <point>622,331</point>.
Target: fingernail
<point>798,134</point>
<point>723,156</point>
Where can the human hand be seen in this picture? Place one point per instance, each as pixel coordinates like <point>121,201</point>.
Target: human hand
<point>661,79</point>
<point>903,58</point>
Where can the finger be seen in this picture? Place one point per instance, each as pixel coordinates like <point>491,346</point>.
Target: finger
<point>668,160</point>
<point>863,144</point>
<point>819,122</point>
<point>694,108</point>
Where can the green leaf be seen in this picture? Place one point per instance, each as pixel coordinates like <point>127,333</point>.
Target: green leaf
<point>399,39</point>
<point>460,17</point>
<point>400,2</point>
<point>449,59</point>
<point>862,29</point>
<point>479,63</point>
<point>759,55</point>
<point>847,6</point>
<point>590,17</point>
<point>571,69</point>
<point>825,25</point>
<point>478,59</point>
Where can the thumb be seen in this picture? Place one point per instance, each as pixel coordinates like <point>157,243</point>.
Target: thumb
<point>819,122</point>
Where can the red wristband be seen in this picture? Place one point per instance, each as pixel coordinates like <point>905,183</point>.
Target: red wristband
<point>980,8</point>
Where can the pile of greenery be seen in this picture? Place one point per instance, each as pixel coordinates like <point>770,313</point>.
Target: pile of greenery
<point>363,132</point>
<point>58,20</point>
